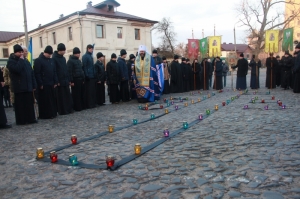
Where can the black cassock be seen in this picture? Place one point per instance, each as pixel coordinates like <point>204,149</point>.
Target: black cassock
<point>191,77</point>
<point>196,69</point>
<point>3,119</point>
<point>296,71</point>
<point>113,77</point>
<point>272,65</point>
<point>287,64</point>
<point>185,77</point>
<point>176,78</point>
<point>204,73</point>
<point>254,80</point>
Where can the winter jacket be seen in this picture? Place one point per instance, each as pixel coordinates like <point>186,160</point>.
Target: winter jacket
<point>88,66</point>
<point>166,71</point>
<point>113,73</point>
<point>157,60</point>
<point>211,69</point>
<point>75,68</point>
<point>62,71</point>
<point>242,66</point>
<point>185,71</point>
<point>296,68</point>
<point>129,64</point>
<point>287,63</point>
<point>225,69</point>
<point>100,71</point>
<point>45,71</point>
<point>123,69</point>
<point>219,68</point>
<point>21,74</point>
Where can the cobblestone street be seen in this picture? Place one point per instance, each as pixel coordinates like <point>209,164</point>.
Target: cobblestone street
<point>233,153</point>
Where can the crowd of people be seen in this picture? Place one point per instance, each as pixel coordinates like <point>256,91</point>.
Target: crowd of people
<point>56,86</point>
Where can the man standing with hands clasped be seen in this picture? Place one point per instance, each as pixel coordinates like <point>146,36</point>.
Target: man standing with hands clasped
<point>101,78</point>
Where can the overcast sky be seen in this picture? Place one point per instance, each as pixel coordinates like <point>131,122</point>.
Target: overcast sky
<point>186,15</point>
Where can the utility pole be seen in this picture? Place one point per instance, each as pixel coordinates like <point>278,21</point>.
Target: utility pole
<point>25,24</point>
<point>214,29</point>
<point>234,56</point>
<point>193,33</point>
<point>202,33</point>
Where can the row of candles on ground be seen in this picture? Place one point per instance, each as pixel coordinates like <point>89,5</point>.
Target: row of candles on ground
<point>253,100</point>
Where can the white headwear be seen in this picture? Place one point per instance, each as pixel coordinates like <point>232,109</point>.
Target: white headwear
<point>143,48</point>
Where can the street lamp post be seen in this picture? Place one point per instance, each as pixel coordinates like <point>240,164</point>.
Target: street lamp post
<point>25,24</point>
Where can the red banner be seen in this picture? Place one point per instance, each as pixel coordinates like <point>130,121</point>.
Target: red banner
<point>193,47</point>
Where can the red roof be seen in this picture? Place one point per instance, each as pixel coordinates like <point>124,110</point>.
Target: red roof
<point>230,47</point>
<point>6,36</point>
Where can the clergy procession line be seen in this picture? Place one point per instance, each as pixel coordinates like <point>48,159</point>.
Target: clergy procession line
<point>44,91</point>
<point>110,164</point>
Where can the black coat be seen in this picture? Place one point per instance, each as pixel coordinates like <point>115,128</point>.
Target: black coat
<point>287,63</point>
<point>242,66</point>
<point>129,64</point>
<point>100,71</point>
<point>157,60</point>
<point>211,69</point>
<point>21,74</point>
<point>185,71</point>
<point>218,68</point>
<point>123,69</point>
<point>113,73</point>
<point>75,68</point>
<point>296,67</point>
<point>45,71</point>
<point>62,72</point>
<point>253,64</point>
<point>176,77</point>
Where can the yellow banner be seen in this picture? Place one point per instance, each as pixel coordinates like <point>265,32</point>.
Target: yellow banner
<point>272,41</point>
<point>214,46</point>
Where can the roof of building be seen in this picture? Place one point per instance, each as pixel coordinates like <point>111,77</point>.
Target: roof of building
<point>6,36</point>
<point>231,47</point>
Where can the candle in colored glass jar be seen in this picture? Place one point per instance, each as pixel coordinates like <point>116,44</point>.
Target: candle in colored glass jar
<point>140,107</point>
<point>227,102</point>
<point>137,149</point>
<point>53,157</point>
<point>155,101</point>
<point>200,116</point>
<point>283,107</point>
<point>110,161</point>
<point>207,112</point>
<point>39,153</point>
<point>216,107</point>
<point>146,105</point>
<point>241,92</point>
<point>208,95</point>
<point>166,133</point>
<point>213,94</point>
<point>280,103</point>
<point>199,100</point>
<point>262,101</point>
<point>168,104</point>
<point>110,128</point>
<point>146,108</point>
<point>176,107</point>
<point>134,121</point>
<point>74,139</point>
<point>273,97</point>
<point>172,102</point>
<point>166,111</point>
<point>246,106</point>
<point>253,101</point>
<point>152,116</point>
<point>256,98</point>
<point>171,98</point>
<point>266,107</point>
<point>232,98</point>
<point>185,104</point>
<point>165,100</point>
<point>73,160</point>
<point>223,103</point>
<point>193,102</point>
<point>185,125</point>
<point>161,106</point>
<point>186,98</point>
<point>181,100</point>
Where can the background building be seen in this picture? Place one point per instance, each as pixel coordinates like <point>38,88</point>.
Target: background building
<point>100,24</point>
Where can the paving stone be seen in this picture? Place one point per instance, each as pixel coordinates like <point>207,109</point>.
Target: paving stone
<point>218,186</point>
<point>234,194</point>
<point>151,187</point>
<point>131,180</point>
<point>70,183</point>
<point>201,181</point>
<point>253,192</point>
<point>191,184</point>
<point>155,174</point>
<point>136,186</point>
<point>129,194</point>
<point>176,187</point>
<point>272,195</point>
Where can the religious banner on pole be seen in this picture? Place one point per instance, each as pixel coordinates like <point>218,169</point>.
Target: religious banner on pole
<point>203,47</point>
<point>214,46</point>
<point>287,43</point>
<point>272,41</point>
<point>193,47</point>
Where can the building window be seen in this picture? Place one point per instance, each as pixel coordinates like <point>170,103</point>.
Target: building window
<point>248,56</point>
<point>41,42</point>
<point>70,33</point>
<point>120,32</point>
<point>5,52</point>
<point>54,38</point>
<point>137,34</point>
<point>99,31</point>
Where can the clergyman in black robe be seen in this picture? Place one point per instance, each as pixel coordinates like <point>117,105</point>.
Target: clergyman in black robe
<point>101,77</point>
<point>296,70</point>
<point>218,74</point>
<point>272,65</point>
<point>196,69</point>
<point>176,76</point>
<point>242,66</point>
<point>254,64</point>
<point>185,75</point>
<point>287,63</point>
<point>113,76</point>
<point>204,73</point>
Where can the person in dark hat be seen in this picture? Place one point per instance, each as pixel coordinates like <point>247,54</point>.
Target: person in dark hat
<point>101,78</point>
<point>218,73</point>
<point>46,77</point>
<point>90,78</point>
<point>76,77</point>
<point>176,76</point>
<point>130,68</point>
<point>287,63</point>
<point>296,70</point>
<point>166,76</point>
<point>272,65</point>
<point>204,74</point>
<point>3,118</point>
<point>63,95</point>
<point>113,77</point>
<point>242,66</point>
<point>185,75</point>
<point>124,89</point>
<point>156,58</point>
<point>255,65</point>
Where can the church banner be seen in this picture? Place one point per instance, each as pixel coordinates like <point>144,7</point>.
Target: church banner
<point>287,43</point>
<point>272,41</point>
<point>193,47</point>
<point>214,46</point>
<point>203,47</point>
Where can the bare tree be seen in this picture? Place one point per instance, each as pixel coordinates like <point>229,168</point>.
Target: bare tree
<point>168,40</point>
<point>261,15</point>
<point>180,49</point>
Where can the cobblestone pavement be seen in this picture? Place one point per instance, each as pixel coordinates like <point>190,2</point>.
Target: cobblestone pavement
<point>234,153</point>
